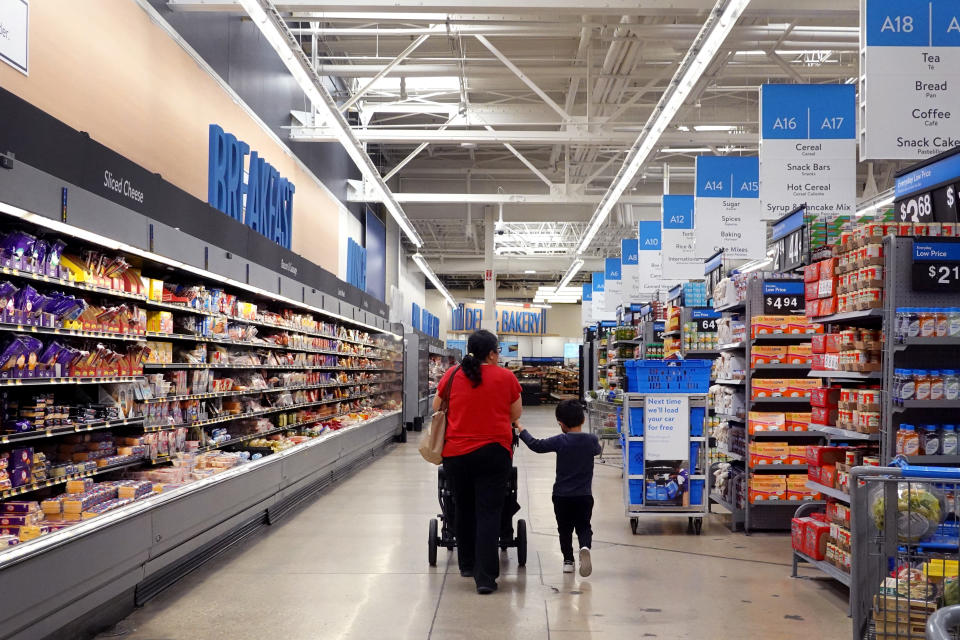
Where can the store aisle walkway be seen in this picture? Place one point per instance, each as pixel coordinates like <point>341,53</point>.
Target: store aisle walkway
<point>353,564</point>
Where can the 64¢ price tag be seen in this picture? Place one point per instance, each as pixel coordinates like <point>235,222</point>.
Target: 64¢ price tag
<point>936,266</point>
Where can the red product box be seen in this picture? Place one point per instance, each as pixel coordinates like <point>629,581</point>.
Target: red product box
<point>828,475</point>
<point>818,343</point>
<point>832,343</point>
<point>811,272</point>
<point>825,397</point>
<point>812,308</point>
<point>828,269</point>
<point>811,291</point>
<point>813,472</point>
<point>821,455</point>
<point>828,306</point>
<point>798,532</point>
<point>827,288</point>
<point>819,516</point>
<point>817,362</point>
<point>815,543</point>
<point>824,415</point>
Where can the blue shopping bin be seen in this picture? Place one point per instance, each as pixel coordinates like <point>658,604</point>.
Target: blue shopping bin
<point>668,376</point>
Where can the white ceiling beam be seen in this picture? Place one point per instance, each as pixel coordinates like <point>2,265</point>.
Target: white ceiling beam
<point>264,15</point>
<point>358,195</point>
<point>524,160</point>
<point>614,138</point>
<point>423,145</point>
<point>377,8</point>
<point>523,77</point>
<point>387,68</point>
<point>790,71</point>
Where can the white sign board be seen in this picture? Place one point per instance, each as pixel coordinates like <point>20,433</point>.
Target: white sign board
<point>649,261</point>
<point>728,207</point>
<point>599,305</point>
<point>808,149</point>
<point>666,429</point>
<point>679,242</point>
<point>15,33</point>
<point>910,78</point>
<point>586,305</point>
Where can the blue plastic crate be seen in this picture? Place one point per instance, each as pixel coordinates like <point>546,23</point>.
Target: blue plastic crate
<point>694,455</point>
<point>668,376</point>
<point>635,464</point>
<point>636,491</point>
<point>696,491</point>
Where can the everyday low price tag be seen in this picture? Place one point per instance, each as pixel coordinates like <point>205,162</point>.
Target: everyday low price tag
<point>936,266</point>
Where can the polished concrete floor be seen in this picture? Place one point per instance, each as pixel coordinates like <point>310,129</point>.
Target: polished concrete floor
<point>353,564</point>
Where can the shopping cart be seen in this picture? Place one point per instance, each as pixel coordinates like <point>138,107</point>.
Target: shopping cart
<point>943,624</point>
<point>441,532</point>
<point>604,420</point>
<point>905,542</point>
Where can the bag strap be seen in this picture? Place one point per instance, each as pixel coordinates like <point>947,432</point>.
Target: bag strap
<point>445,394</point>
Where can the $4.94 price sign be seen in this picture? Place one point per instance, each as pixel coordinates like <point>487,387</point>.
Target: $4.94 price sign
<point>936,266</point>
<point>783,297</point>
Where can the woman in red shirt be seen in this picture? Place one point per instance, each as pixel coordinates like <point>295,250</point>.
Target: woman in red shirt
<point>484,402</point>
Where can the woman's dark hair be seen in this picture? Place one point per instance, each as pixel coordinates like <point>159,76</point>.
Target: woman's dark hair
<point>479,345</point>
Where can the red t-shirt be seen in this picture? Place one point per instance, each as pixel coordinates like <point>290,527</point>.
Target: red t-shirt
<point>481,415</point>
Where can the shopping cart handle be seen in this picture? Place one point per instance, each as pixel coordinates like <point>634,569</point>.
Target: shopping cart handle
<point>942,622</point>
<point>910,471</point>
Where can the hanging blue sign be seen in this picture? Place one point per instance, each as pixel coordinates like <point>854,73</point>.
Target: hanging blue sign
<point>808,112</point>
<point>628,252</point>
<point>678,212</point>
<point>649,235</point>
<point>612,269</point>
<point>728,177</point>
<point>599,282</point>
<point>588,292</point>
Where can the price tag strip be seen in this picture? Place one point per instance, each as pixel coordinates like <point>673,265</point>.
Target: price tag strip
<point>929,192</point>
<point>936,266</point>
<point>783,297</point>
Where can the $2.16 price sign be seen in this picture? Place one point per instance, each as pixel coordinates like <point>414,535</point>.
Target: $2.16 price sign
<point>783,297</point>
<point>936,266</point>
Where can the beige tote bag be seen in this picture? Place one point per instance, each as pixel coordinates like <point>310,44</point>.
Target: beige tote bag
<point>431,446</point>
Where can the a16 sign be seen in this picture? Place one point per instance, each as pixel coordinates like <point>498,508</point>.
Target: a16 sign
<point>783,297</point>
<point>936,266</point>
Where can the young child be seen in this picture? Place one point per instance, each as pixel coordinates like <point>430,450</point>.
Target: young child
<point>572,490</point>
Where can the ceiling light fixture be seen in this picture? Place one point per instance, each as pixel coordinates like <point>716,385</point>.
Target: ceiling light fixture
<point>878,202</point>
<point>274,29</point>
<point>715,30</point>
<point>427,271</point>
<point>572,271</point>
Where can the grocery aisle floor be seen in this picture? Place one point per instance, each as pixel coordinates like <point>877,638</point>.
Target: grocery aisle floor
<point>353,564</point>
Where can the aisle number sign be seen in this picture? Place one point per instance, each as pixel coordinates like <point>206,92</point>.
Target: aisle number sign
<point>613,283</point>
<point>630,269</point>
<point>650,260</point>
<point>808,149</point>
<point>910,80</point>
<point>666,427</point>
<point>600,312</point>
<point>586,305</point>
<point>727,207</point>
<point>679,239</point>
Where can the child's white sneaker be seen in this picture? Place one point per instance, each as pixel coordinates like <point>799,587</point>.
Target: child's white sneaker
<point>586,567</point>
<point>568,566</point>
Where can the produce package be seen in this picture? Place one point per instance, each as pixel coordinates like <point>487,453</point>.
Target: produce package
<point>919,510</point>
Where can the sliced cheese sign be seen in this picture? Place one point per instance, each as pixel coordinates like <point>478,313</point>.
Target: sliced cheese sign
<point>727,207</point>
<point>910,78</point>
<point>679,239</point>
<point>808,149</point>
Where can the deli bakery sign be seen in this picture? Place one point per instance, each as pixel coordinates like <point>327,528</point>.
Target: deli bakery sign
<point>514,320</point>
<point>253,192</point>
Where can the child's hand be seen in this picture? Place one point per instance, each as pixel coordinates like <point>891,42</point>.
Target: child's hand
<point>518,426</point>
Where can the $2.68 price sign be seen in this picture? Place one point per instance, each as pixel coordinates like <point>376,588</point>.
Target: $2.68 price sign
<point>939,205</point>
<point>783,297</point>
<point>936,266</point>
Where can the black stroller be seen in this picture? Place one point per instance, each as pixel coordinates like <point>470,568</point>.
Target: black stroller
<point>441,532</point>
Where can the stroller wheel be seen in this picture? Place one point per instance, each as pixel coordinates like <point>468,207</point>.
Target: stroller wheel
<point>522,543</point>
<point>432,543</point>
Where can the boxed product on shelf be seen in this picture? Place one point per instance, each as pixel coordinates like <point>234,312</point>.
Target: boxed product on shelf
<point>798,354</point>
<point>766,453</point>
<point>797,489</point>
<point>759,421</point>
<point>768,354</point>
<point>783,387</point>
<point>767,488</point>
<point>785,325</point>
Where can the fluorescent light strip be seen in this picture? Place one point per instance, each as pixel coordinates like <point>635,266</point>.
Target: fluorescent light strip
<point>109,243</point>
<point>427,271</point>
<point>572,271</point>
<point>878,202</point>
<point>694,64</point>
<point>274,29</point>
